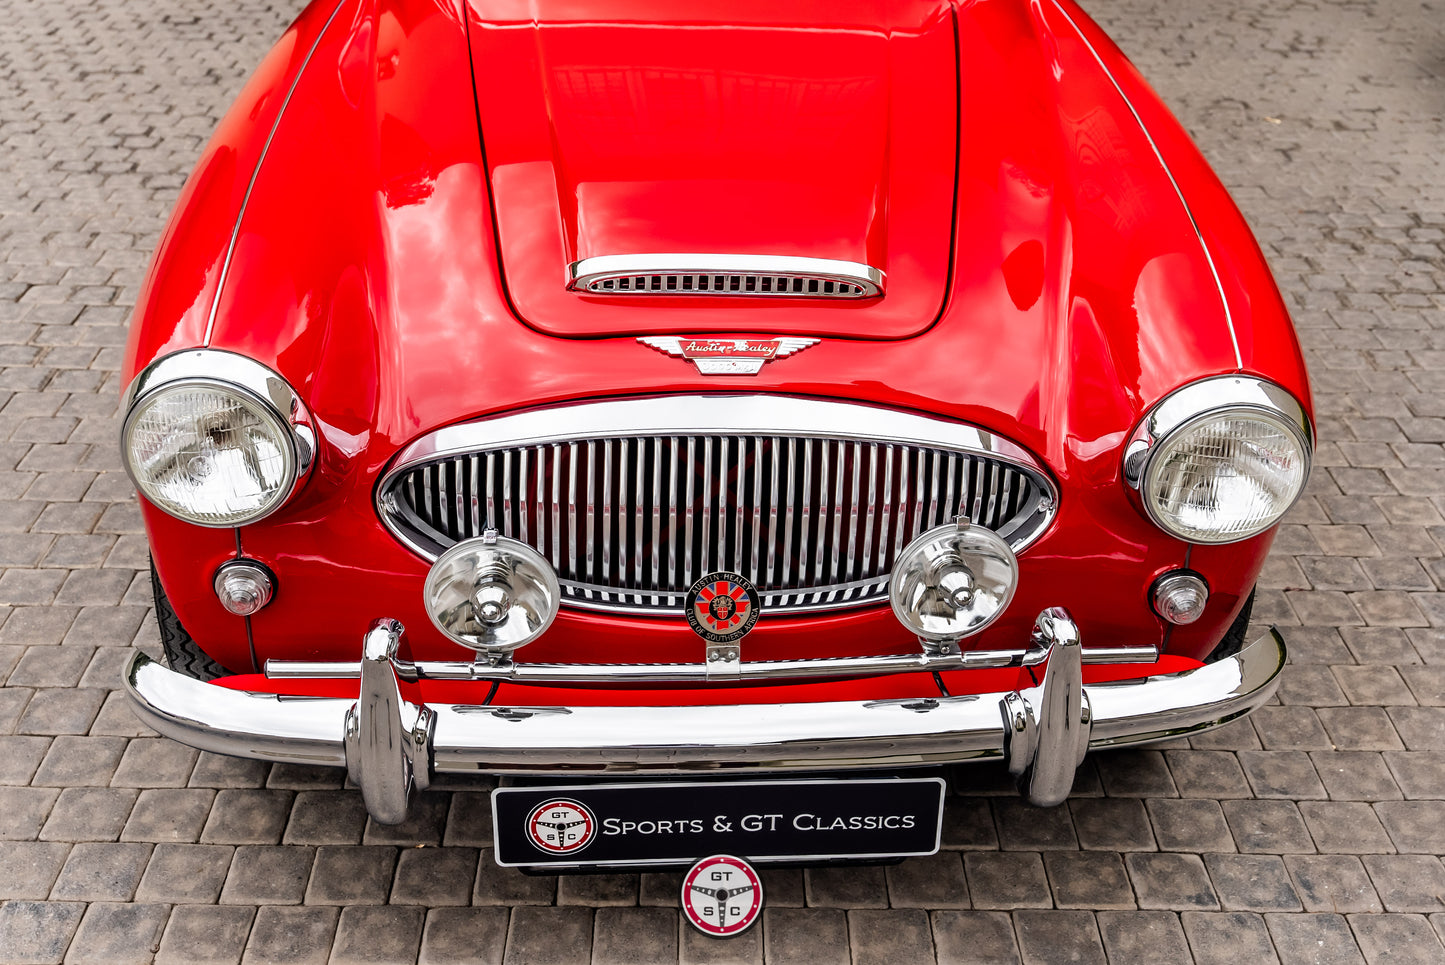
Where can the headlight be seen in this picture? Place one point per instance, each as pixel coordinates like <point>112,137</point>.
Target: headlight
<point>952,581</point>
<point>205,439</point>
<point>1220,460</point>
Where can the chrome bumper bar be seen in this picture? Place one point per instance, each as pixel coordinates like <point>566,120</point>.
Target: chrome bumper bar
<point>390,745</point>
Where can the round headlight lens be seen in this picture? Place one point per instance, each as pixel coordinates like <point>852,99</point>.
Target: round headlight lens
<point>209,453</point>
<point>1224,477</point>
<point>492,594</point>
<point>952,582</point>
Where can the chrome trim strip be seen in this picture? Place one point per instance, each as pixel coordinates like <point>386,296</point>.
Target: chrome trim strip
<point>1159,156</point>
<point>256,173</point>
<point>468,738</point>
<point>583,274</point>
<point>632,673</point>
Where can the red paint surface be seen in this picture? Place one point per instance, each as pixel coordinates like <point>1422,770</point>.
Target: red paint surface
<point>366,271</point>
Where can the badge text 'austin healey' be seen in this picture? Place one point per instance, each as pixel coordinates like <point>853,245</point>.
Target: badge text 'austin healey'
<point>728,356</point>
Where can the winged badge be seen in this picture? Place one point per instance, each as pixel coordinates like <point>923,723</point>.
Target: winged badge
<point>728,356</point>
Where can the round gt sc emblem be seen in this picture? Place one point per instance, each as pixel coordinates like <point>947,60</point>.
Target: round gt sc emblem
<point>722,896</point>
<point>560,826</point>
<point>721,607</point>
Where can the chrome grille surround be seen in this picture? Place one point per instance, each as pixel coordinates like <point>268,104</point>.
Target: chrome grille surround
<point>689,274</point>
<point>810,499</point>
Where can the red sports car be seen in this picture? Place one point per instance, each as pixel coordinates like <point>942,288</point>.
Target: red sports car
<point>707,417</point>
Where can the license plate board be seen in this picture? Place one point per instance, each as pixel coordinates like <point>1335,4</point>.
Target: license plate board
<point>675,823</point>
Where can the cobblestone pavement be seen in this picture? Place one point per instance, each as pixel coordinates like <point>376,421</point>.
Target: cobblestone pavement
<point>1311,834</point>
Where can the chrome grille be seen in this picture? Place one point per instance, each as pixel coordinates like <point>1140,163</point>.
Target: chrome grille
<point>631,522</point>
<point>724,274</point>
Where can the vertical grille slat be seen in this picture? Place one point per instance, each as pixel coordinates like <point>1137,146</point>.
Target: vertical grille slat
<point>631,522</point>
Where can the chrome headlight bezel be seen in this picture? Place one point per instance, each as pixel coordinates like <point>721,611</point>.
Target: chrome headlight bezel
<point>249,382</point>
<point>1197,404</point>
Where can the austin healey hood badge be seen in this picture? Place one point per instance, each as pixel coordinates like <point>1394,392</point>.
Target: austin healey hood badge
<point>728,356</point>
<point>722,607</point>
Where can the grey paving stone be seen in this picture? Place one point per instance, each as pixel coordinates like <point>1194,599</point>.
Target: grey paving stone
<point>663,889</point>
<point>1355,776</point>
<point>1048,937</point>
<point>169,815</point>
<point>1112,824</point>
<point>508,886</point>
<point>937,881</point>
<point>1360,728</point>
<point>695,948</point>
<point>291,936</point>
<point>156,762</point>
<point>1252,882</point>
<point>645,936</point>
<point>377,934</point>
<point>1419,774</point>
<point>1332,882</point>
<point>1407,882</point>
<point>29,868</point>
<point>886,937</point>
<point>307,777</point>
<point>985,937</point>
<point>205,935</point>
<point>1317,939</point>
<point>469,822</point>
<point>802,936</point>
<point>1022,827</point>
<point>1009,879</point>
<point>23,811</point>
<point>1271,827</point>
<point>1345,827</point>
<point>352,876</point>
<point>844,887</point>
<point>1281,774</point>
<point>1227,938</point>
<point>101,872</point>
<point>550,936</point>
<point>80,761</point>
<point>247,816</point>
<point>113,934</point>
<point>267,875</point>
<point>219,771</point>
<point>783,887</point>
<point>1088,879</point>
<point>1396,939</point>
<point>1143,937</point>
<point>20,757</point>
<point>464,936</point>
<point>1170,881</point>
<point>1135,774</point>
<point>1413,826</point>
<point>422,826</point>
<point>1189,824</point>
<point>597,890</point>
<point>1207,774</point>
<point>435,876</point>
<point>38,931</point>
<point>185,873</point>
<point>968,824</point>
<point>88,814</point>
<point>56,711</point>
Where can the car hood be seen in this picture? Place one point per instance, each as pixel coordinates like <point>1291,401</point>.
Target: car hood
<point>659,128</point>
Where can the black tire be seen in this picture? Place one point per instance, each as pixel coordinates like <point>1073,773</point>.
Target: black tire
<point>1233,640</point>
<point>182,653</point>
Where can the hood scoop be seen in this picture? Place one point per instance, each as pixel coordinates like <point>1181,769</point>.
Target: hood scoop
<point>661,167</point>
<point>670,274</point>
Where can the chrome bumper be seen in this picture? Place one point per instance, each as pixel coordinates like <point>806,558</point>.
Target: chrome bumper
<point>390,745</point>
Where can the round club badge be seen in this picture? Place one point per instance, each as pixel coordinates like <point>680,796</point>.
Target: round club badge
<point>721,607</point>
<point>560,826</point>
<point>722,896</point>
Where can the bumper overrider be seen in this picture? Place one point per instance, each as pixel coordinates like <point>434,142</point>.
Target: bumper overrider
<point>390,745</point>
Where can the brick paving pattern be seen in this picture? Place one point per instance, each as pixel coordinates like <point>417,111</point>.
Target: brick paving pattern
<point>1312,833</point>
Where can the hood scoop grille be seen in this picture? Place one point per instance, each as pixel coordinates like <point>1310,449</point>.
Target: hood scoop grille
<point>767,275</point>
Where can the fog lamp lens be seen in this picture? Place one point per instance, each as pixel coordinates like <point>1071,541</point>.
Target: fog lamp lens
<point>492,594</point>
<point>1180,597</point>
<point>952,582</point>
